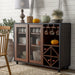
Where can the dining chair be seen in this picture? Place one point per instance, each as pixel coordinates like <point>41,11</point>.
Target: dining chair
<point>4,36</point>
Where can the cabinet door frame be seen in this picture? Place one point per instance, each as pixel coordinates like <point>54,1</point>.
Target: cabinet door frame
<point>41,47</point>
<point>16,58</point>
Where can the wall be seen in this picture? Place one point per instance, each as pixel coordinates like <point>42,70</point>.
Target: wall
<point>69,11</point>
<point>8,10</point>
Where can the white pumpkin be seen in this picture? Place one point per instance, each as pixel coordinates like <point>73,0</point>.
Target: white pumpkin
<point>45,18</point>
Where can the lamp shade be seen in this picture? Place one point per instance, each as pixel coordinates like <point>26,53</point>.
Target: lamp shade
<point>21,4</point>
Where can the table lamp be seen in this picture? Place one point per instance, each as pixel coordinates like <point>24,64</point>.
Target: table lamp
<point>22,4</point>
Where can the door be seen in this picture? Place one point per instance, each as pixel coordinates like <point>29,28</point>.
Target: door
<point>21,42</point>
<point>36,44</point>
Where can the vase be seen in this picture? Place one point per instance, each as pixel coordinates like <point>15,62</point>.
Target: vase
<point>56,19</point>
<point>10,50</point>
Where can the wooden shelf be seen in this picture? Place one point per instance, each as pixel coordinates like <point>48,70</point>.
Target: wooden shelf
<point>35,45</point>
<point>35,33</point>
<point>50,35</point>
<point>21,33</point>
<point>51,56</point>
<point>21,45</point>
<point>51,45</point>
<point>49,27</point>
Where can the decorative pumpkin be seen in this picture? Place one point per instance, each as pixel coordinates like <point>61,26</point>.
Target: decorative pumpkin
<point>36,20</point>
<point>45,19</point>
<point>54,42</point>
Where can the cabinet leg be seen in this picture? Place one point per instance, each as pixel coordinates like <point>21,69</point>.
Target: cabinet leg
<point>16,62</point>
<point>58,70</point>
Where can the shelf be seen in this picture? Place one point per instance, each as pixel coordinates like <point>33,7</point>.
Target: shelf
<point>35,45</point>
<point>21,45</point>
<point>50,35</point>
<point>50,27</point>
<point>35,33</point>
<point>51,45</point>
<point>51,56</point>
<point>21,33</point>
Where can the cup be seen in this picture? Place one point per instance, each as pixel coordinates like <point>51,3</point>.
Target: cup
<point>34,30</point>
<point>37,30</point>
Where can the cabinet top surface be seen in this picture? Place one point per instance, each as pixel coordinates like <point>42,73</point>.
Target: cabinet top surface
<point>42,23</point>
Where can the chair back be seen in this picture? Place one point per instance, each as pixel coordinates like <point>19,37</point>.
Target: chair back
<point>4,36</point>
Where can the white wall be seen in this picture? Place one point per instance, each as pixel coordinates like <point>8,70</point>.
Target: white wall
<point>7,10</point>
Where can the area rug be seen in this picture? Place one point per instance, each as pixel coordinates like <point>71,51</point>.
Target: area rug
<point>28,70</point>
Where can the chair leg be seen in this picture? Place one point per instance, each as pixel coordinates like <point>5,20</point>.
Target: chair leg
<point>8,65</point>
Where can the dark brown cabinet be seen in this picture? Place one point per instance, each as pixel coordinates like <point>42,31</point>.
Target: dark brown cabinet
<point>33,44</point>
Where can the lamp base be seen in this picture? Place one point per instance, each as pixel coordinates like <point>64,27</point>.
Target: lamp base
<point>22,16</point>
<point>22,21</point>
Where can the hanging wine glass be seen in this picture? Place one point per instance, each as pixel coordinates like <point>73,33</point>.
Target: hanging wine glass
<point>57,32</point>
<point>46,32</point>
<point>51,32</point>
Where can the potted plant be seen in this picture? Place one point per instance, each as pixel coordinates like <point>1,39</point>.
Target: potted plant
<point>9,22</point>
<point>57,16</point>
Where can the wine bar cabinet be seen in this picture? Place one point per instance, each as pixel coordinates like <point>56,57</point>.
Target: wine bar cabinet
<point>43,44</point>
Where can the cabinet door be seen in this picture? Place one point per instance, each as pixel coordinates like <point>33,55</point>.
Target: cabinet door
<point>35,44</point>
<point>21,42</point>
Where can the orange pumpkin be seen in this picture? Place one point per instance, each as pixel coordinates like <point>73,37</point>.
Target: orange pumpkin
<point>36,20</point>
<point>54,42</point>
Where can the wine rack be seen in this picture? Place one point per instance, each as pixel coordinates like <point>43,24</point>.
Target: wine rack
<point>50,52</point>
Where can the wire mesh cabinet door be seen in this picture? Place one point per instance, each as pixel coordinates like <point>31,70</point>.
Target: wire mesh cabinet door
<point>35,44</point>
<point>21,42</point>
